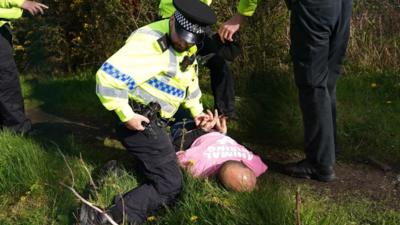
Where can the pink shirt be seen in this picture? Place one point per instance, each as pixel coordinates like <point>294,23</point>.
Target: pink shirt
<point>210,151</point>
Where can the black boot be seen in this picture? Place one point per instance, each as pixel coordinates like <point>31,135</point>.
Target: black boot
<point>305,169</point>
<point>89,216</point>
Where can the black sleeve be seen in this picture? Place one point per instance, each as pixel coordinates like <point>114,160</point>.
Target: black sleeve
<point>188,139</point>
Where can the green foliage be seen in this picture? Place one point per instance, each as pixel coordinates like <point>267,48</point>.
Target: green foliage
<point>78,34</point>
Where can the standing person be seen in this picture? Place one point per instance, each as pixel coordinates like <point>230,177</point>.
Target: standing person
<point>319,34</point>
<point>144,83</point>
<point>12,112</point>
<point>222,83</point>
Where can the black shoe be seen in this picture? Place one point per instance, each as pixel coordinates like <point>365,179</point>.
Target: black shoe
<point>89,216</point>
<point>304,169</point>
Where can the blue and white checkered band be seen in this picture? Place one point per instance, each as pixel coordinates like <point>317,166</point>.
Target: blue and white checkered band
<point>187,25</point>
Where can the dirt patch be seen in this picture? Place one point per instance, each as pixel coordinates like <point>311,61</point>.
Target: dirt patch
<point>365,182</point>
<point>355,180</point>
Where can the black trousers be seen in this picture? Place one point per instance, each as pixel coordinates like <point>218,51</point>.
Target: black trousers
<point>319,35</point>
<point>222,82</point>
<point>12,112</point>
<point>163,175</point>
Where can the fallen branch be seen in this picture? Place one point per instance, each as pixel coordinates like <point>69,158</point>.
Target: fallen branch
<point>89,204</point>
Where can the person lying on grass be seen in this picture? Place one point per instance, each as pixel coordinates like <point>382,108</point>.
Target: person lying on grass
<point>208,151</point>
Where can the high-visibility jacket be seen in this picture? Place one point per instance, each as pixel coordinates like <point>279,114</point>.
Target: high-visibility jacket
<point>9,10</point>
<point>147,69</point>
<point>245,7</point>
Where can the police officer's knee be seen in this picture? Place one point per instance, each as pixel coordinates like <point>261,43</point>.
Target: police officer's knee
<point>171,187</point>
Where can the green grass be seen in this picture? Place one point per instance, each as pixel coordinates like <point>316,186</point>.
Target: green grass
<point>31,169</point>
<point>30,177</point>
<point>368,118</point>
<point>72,96</point>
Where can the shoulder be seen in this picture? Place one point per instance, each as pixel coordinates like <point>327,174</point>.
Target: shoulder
<point>152,36</point>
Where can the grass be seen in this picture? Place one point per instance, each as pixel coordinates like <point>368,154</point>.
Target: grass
<point>31,169</point>
<point>368,107</point>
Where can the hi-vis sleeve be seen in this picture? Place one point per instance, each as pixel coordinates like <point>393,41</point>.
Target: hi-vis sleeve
<point>192,100</point>
<point>10,13</point>
<point>136,62</point>
<point>10,9</point>
<point>247,7</point>
<point>11,3</point>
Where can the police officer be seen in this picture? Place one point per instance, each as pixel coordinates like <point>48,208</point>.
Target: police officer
<point>12,113</point>
<point>319,35</point>
<point>157,65</point>
<point>222,83</point>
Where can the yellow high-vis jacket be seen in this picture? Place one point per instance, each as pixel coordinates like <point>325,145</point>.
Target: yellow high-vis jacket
<point>146,69</point>
<point>245,7</point>
<point>9,10</point>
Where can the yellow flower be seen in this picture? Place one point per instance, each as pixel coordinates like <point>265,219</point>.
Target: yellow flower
<point>216,199</point>
<point>191,162</point>
<point>85,26</point>
<point>151,218</point>
<point>373,85</point>
<point>194,218</point>
<point>19,48</point>
<point>77,40</point>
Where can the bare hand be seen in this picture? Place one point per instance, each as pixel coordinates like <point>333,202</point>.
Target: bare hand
<point>230,27</point>
<point>220,126</point>
<point>207,125</point>
<point>201,117</point>
<point>136,122</point>
<point>34,7</point>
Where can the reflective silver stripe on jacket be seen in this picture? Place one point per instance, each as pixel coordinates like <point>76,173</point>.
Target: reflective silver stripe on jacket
<point>194,94</point>
<point>172,67</point>
<point>111,92</point>
<point>147,98</point>
<point>154,33</point>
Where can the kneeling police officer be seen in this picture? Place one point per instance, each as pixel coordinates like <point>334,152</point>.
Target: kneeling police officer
<point>156,67</point>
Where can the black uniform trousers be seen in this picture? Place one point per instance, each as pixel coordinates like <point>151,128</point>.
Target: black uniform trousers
<point>319,34</point>
<point>163,176</point>
<point>222,82</point>
<point>12,112</point>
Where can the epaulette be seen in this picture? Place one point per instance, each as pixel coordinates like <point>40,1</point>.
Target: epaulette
<point>163,43</point>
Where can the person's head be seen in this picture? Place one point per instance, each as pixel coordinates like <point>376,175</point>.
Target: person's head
<point>236,176</point>
<point>189,23</point>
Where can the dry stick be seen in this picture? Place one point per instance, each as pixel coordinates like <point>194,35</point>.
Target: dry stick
<point>88,172</point>
<point>89,204</point>
<point>298,207</point>
<point>183,134</point>
<point>77,194</point>
<point>66,162</point>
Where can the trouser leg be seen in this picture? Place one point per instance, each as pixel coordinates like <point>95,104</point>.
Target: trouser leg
<point>338,46</point>
<point>222,82</point>
<point>11,102</point>
<point>312,26</point>
<point>163,176</point>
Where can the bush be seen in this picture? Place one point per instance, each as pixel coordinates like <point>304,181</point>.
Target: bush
<point>78,34</point>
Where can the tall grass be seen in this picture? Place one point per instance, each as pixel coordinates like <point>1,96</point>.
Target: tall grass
<point>30,177</point>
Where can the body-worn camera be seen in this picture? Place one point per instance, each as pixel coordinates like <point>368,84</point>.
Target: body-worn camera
<point>152,112</point>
